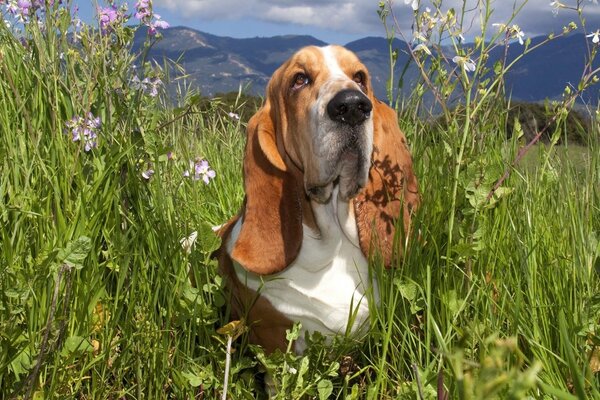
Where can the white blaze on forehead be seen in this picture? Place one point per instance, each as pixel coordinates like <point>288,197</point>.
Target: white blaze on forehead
<point>331,61</point>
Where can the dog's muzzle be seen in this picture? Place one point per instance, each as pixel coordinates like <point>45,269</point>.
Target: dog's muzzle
<point>349,106</point>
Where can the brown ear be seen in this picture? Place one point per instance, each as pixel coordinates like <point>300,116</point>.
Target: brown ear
<point>392,188</point>
<point>271,233</point>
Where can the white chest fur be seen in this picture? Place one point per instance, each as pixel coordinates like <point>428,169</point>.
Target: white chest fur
<point>328,281</point>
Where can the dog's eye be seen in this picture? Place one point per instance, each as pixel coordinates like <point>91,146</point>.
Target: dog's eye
<point>300,80</point>
<point>359,78</point>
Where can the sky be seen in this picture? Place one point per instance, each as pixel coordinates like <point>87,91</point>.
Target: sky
<point>341,21</point>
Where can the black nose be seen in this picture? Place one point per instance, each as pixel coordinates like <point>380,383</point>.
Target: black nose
<point>349,106</point>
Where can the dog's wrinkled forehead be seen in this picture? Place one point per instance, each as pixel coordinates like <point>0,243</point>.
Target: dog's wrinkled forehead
<point>315,66</point>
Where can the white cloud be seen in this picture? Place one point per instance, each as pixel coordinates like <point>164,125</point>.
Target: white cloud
<point>360,16</point>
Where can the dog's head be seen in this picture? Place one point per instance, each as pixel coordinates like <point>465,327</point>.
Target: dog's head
<point>320,126</point>
<point>321,105</point>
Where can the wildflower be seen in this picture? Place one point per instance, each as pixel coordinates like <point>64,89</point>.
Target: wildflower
<point>85,130</point>
<point>201,170</point>
<point>422,47</point>
<point>517,33</point>
<point>146,85</point>
<point>187,243</point>
<point>24,6</point>
<point>466,63</point>
<point>154,26</point>
<point>555,6</point>
<point>147,174</point>
<point>513,31</point>
<point>108,17</point>
<point>595,36</point>
<point>414,4</point>
<point>147,17</point>
<point>234,116</point>
<point>143,9</point>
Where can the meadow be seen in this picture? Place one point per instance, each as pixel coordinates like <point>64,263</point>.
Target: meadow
<point>109,187</point>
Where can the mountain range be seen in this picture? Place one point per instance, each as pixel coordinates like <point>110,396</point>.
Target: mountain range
<point>217,64</point>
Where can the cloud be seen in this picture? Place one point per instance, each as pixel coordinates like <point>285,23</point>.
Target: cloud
<point>346,16</point>
<point>360,16</point>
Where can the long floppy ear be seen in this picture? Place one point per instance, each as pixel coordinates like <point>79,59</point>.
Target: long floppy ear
<point>271,232</point>
<point>392,188</point>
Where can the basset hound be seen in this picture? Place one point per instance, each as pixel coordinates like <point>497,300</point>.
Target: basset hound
<point>327,175</point>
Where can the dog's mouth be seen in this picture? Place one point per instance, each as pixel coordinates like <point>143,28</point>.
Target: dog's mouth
<point>348,172</point>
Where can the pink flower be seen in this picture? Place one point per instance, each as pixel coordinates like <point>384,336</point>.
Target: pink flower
<point>109,17</point>
<point>153,26</point>
<point>201,171</point>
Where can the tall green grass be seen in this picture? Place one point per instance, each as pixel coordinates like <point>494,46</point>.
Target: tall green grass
<point>96,299</point>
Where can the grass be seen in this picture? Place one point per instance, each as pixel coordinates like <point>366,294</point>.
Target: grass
<point>95,296</point>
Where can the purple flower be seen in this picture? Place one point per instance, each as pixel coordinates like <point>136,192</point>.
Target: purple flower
<point>143,10</point>
<point>147,17</point>
<point>154,26</point>
<point>84,130</point>
<point>201,170</point>
<point>146,85</point>
<point>24,7</point>
<point>109,17</point>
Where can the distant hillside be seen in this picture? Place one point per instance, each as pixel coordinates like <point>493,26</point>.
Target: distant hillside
<point>219,64</point>
<point>548,70</point>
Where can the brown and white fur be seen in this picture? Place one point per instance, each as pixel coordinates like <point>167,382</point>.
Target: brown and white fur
<point>327,174</point>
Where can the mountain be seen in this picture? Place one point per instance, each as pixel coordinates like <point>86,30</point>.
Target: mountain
<point>217,64</point>
<point>545,72</point>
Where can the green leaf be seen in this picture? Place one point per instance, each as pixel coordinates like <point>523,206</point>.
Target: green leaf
<point>21,363</point>
<point>209,240</point>
<point>294,333</point>
<point>410,292</point>
<point>193,379</point>
<point>325,388</point>
<point>518,129</point>
<point>451,300</point>
<point>77,344</point>
<point>76,252</point>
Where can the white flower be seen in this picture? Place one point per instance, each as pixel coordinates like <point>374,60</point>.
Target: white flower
<point>466,63</point>
<point>187,243</point>
<point>414,4</point>
<point>555,6</point>
<point>234,116</point>
<point>518,33</point>
<point>148,174</point>
<point>595,36</point>
<point>422,47</point>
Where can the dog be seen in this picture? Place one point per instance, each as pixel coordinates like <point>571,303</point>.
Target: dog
<point>327,175</point>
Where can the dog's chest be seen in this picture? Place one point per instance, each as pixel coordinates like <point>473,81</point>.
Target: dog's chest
<point>329,280</point>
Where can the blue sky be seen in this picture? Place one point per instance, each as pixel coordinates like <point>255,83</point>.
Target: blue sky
<point>335,21</point>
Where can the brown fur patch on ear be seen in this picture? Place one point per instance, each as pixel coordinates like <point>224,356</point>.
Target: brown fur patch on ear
<point>271,233</point>
<point>268,144</point>
<point>392,188</point>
